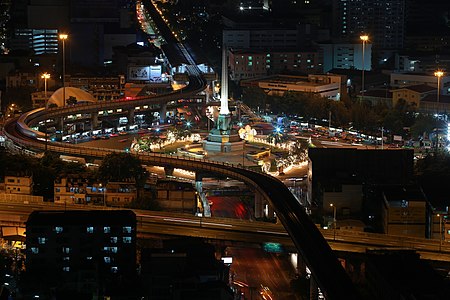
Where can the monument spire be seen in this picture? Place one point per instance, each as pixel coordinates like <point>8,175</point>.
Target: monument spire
<point>224,84</point>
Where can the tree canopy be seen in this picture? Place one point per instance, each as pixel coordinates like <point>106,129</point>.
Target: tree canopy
<point>122,167</point>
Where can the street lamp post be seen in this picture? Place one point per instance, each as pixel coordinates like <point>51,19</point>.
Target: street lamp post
<point>364,39</point>
<point>334,220</point>
<point>438,74</point>
<point>104,194</point>
<point>63,38</point>
<point>440,231</point>
<point>45,76</point>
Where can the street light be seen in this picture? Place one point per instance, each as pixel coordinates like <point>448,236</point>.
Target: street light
<point>440,231</point>
<point>45,76</point>
<point>364,39</point>
<point>438,74</point>
<point>104,193</point>
<point>63,38</point>
<point>334,220</point>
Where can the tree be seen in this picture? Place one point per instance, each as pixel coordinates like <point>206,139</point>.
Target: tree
<point>71,101</point>
<point>254,97</point>
<point>147,202</point>
<point>424,124</point>
<point>276,138</point>
<point>122,167</point>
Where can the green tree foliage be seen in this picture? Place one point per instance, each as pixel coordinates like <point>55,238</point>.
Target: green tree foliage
<point>361,115</point>
<point>43,170</point>
<point>254,97</point>
<point>71,101</point>
<point>433,174</point>
<point>424,124</point>
<point>276,138</point>
<point>122,167</point>
<point>146,202</point>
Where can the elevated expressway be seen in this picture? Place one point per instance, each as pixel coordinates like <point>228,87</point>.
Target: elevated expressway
<point>308,240</point>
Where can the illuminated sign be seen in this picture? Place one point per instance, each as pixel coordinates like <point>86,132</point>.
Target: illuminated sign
<point>145,73</point>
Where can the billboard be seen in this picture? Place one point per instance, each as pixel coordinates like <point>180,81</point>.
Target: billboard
<point>145,73</point>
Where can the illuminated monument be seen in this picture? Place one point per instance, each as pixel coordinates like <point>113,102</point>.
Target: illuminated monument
<point>222,138</point>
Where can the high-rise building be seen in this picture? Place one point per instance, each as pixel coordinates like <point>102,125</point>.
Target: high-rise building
<point>94,28</point>
<point>383,21</point>
<point>5,17</point>
<point>80,246</point>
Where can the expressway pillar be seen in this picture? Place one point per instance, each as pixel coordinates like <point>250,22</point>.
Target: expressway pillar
<point>168,171</point>
<point>94,120</point>
<point>130,116</point>
<point>60,122</point>
<point>162,113</point>
<point>259,207</point>
<point>270,211</point>
<point>313,289</point>
<point>301,266</point>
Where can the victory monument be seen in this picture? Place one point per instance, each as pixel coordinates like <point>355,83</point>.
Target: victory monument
<point>222,138</point>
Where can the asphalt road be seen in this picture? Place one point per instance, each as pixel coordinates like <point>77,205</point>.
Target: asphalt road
<point>254,267</point>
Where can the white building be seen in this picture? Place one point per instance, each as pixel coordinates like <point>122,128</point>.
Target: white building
<point>329,86</point>
<point>19,185</point>
<point>399,80</point>
<point>346,56</point>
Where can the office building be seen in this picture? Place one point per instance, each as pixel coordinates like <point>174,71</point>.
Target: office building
<point>80,250</point>
<point>346,56</point>
<point>383,21</point>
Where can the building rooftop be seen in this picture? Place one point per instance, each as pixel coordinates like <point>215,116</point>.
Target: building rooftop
<point>405,274</point>
<point>79,217</point>
<point>433,98</point>
<point>394,194</point>
<point>420,88</point>
<point>378,93</point>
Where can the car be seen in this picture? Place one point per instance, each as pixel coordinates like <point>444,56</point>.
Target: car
<point>94,137</point>
<point>315,135</point>
<point>334,139</point>
<point>123,133</point>
<point>113,135</point>
<point>105,137</point>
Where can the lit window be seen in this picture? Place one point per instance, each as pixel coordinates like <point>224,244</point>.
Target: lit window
<point>107,259</point>
<point>127,229</point>
<point>66,269</point>
<point>114,269</point>
<point>41,240</point>
<point>34,250</point>
<point>66,258</point>
<point>66,250</point>
<point>88,257</point>
<point>90,229</point>
<point>58,229</point>
<point>127,239</point>
<point>106,229</point>
<point>113,239</point>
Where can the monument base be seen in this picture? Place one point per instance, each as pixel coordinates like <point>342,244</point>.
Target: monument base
<point>217,142</point>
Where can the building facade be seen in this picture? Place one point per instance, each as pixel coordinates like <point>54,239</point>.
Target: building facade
<point>84,248</point>
<point>19,185</point>
<point>346,56</point>
<point>384,21</point>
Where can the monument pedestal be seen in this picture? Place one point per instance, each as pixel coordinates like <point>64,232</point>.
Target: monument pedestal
<point>223,143</point>
<point>223,139</point>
